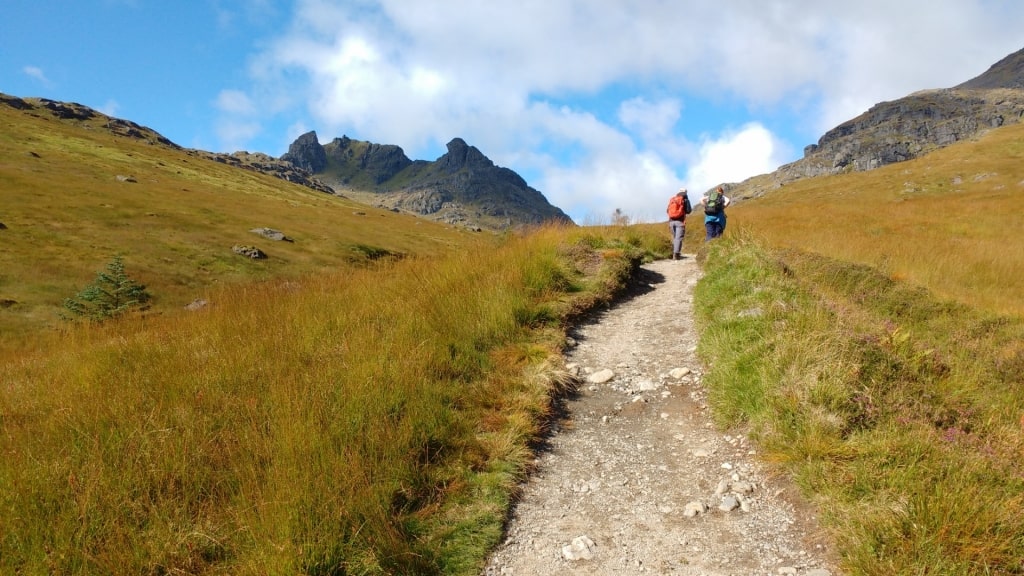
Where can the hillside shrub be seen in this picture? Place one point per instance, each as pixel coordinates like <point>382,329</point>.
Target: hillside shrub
<point>112,293</point>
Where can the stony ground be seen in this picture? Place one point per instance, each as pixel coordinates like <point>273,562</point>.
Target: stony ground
<point>637,479</point>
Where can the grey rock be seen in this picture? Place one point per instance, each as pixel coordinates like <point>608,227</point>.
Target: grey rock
<point>271,234</point>
<point>695,508</point>
<point>249,252</point>
<point>729,503</point>
<point>581,548</point>
<point>306,153</point>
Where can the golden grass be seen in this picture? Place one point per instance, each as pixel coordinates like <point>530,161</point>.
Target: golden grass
<point>67,215</point>
<point>947,221</point>
<point>370,420</point>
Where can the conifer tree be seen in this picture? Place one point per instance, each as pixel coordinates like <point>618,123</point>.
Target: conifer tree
<point>111,294</point>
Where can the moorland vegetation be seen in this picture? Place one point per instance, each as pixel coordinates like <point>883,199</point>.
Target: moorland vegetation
<point>866,328</point>
<point>366,399</point>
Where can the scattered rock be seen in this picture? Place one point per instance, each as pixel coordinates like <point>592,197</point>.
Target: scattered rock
<point>122,178</point>
<point>729,503</point>
<point>695,508</point>
<point>678,373</point>
<point>755,312</point>
<point>581,548</point>
<point>647,386</point>
<point>197,304</point>
<point>249,252</point>
<point>3,226</point>
<point>640,483</point>
<point>271,234</point>
<point>601,376</point>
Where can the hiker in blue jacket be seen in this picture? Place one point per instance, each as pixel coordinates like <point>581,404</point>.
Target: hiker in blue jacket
<point>714,204</point>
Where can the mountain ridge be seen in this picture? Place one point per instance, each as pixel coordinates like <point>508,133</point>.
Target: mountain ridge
<point>461,187</point>
<point>905,128</point>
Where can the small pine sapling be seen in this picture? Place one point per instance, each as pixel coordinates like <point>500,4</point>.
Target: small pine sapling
<point>111,294</point>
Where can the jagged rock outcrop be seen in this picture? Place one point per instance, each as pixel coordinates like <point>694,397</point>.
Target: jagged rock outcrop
<point>307,153</point>
<point>907,128</point>
<point>267,164</point>
<point>376,163</point>
<point>462,187</point>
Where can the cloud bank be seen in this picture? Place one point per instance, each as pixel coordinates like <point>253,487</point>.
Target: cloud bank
<point>613,104</point>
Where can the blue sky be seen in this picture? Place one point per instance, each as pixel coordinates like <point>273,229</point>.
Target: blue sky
<point>599,105</point>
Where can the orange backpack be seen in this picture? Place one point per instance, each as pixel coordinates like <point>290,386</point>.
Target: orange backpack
<point>676,208</point>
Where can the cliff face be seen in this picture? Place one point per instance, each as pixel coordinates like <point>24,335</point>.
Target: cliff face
<point>909,127</point>
<point>461,187</point>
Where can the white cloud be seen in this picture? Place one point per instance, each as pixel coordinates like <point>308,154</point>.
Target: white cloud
<point>37,73</point>
<point>235,133</point>
<point>511,79</point>
<point>733,157</point>
<point>235,102</point>
<point>110,108</point>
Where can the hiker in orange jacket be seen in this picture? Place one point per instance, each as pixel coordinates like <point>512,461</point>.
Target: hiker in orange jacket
<point>678,208</point>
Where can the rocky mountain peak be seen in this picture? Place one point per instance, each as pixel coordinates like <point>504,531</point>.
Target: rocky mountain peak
<point>461,187</point>
<point>307,153</point>
<point>461,155</point>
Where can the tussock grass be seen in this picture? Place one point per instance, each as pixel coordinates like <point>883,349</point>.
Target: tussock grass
<point>368,421</point>
<point>899,413</point>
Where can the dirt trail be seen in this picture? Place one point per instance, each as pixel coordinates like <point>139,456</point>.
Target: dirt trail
<point>638,480</point>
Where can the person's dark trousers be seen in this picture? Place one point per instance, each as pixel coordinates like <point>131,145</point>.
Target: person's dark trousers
<point>714,230</point>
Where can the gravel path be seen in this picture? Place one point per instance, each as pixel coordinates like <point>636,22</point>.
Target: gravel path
<point>637,479</point>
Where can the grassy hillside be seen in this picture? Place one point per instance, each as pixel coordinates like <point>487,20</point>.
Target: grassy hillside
<point>67,214</point>
<point>867,330</point>
<point>321,416</point>
<point>948,221</point>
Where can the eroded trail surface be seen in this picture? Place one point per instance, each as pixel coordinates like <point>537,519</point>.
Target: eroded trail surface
<point>638,479</point>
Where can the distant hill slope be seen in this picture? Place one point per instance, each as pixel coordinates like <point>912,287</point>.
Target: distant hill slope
<point>78,187</point>
<point>907,128</point>
<point>462,187</point>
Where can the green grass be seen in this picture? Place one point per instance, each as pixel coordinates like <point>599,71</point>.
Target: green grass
<point>866,329</point>
<point>898,413</point>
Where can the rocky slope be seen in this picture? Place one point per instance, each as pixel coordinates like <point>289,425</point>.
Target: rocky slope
<point>907,128</point>
<point>462,187</point>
